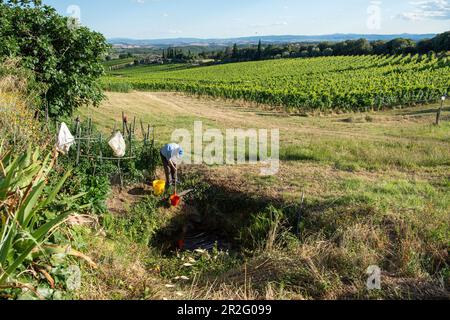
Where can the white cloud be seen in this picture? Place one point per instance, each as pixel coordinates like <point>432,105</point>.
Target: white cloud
<point>429,9</point>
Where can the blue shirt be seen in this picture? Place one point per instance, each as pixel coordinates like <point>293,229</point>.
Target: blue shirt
<point>172,151</point>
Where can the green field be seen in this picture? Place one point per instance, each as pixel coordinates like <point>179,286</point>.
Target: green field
<point>325,83</point>
<point>117,62</point>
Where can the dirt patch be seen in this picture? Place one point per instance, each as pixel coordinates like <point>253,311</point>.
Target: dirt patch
<point>121,200</point>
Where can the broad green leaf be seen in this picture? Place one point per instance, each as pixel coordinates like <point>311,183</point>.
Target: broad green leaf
<point>42,231</point>
<point>26,207</point>
<point>6,243</point>
<point>51,197</point>
<point>38,236</point>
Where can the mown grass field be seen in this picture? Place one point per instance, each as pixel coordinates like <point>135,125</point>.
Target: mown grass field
<point>320,84</point>
<point>377,192</point>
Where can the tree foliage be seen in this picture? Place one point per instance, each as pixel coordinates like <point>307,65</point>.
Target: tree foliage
<point>345,48</point>
<point>67,59</point>
<point>442,42</point>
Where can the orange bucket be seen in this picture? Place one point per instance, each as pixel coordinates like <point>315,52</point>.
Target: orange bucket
<point>175,200</point>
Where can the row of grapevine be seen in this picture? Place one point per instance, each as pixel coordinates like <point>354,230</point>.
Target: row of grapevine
<point>324,83</point>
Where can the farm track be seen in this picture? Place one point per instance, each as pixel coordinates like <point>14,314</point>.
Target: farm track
<point>151,105</point>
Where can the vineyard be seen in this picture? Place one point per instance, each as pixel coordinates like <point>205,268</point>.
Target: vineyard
<point>324,83</point>
<point>118,63</point>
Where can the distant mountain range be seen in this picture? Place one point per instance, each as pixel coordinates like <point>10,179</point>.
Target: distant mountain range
<point>125,42</point>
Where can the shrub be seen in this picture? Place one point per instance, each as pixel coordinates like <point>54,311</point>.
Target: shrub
<point>65,57</point>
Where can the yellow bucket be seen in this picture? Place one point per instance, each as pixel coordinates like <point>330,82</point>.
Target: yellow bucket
<point>158,187</point>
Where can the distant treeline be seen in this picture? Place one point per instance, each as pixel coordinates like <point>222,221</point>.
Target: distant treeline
<point>262,51</point>
<point>439,43</point>
<point>179,55</point>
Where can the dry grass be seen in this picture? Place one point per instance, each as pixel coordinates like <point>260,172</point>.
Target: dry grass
<point>313,271</point>
<point>121,273</point>
<point>17,117</point>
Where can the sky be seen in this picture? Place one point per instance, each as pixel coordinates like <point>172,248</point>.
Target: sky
<point>157,19</point>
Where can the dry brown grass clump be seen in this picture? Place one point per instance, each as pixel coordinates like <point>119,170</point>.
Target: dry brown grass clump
<point>18,124</point>
<point>121,273</point>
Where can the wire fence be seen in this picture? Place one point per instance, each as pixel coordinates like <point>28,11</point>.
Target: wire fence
<point>91,144</point>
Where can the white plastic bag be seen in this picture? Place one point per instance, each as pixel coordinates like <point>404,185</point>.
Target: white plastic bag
<point>117,144</point>
<point>65,139</point>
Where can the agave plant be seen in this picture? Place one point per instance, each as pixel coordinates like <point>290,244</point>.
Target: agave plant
<point>24,229</point>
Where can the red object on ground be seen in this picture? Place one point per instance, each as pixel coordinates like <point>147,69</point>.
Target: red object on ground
<point>175,200</point>
<point>180,244</point>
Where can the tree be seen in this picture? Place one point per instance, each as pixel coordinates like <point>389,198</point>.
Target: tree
<point>259,53</point>
<point>328,52</point>
<point>425,46</point>
<point>361,47</point>
<point>286,54</point>
<point>67,60</point>
<point>341,48</point>
<point>354,47</point>
<point>324,45</point>
<point>315,51</point>
<point>442,42</point>
<point>228,53</point>
<point>235,54</point>
<point>401,46</point>
<point>379,47</point>
<point>304,53</point>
